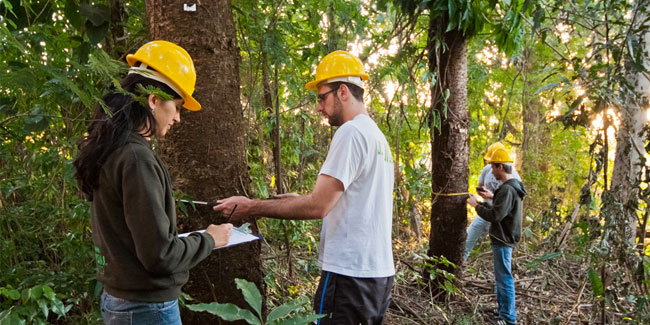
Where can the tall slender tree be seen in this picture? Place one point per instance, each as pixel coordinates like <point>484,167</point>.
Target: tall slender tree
<point>631,136</point>
<point>206,154</point>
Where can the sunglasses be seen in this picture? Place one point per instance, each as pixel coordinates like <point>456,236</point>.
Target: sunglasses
<point>322,97</point>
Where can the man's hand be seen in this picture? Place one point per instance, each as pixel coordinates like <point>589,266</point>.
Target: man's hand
<point>486,194</point>
<point>220,233</point>
<point>235,207</point>
<point>285,196</point>
<point>472,200</point>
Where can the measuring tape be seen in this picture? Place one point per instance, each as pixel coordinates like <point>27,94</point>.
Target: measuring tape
<point>449,194</point>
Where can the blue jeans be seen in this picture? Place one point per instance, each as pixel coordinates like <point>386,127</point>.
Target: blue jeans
<point>505,282</point>
<point>477,230</point>
<point>117,311</point>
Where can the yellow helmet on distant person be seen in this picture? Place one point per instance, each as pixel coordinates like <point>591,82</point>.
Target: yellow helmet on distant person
<point>501,156</point>
<point>173,66</point>
<point>339,66</point>
<point>491,149</point>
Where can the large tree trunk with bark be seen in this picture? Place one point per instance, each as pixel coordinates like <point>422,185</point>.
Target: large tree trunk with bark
<point>206,153</point>
<point>630,142</point>
<point>449,145</point>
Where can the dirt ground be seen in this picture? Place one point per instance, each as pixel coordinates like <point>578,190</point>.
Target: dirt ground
<point>554,291</point>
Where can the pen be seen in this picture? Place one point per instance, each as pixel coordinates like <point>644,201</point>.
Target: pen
<point>208,204</point>
<point>233,211</point>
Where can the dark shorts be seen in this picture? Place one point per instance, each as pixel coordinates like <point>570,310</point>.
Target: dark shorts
<point>349,300</point>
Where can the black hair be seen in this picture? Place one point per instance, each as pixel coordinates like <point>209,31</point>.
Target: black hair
<point>506,167</point>
<point>356,91</point>
<point>109,131</point>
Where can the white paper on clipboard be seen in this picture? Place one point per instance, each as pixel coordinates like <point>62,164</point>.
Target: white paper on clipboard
<point>236,238</point>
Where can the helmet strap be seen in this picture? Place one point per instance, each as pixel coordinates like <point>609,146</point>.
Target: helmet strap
<point>355,80</point>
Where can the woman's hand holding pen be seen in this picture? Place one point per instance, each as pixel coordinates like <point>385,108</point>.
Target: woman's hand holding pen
<point>220,233</point>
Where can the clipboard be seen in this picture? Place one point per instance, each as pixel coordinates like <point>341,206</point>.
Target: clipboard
<point>237,237</point>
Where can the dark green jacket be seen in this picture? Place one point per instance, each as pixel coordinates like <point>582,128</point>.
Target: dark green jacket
<point>504,213</point>
<point>139,253</point>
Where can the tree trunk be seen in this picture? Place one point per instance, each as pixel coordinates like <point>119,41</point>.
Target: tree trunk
<point>274,116</point>
<point>536,139</point>
<point>449,146</point>
<point>630,144</point>
<point>206,153</point>
<point>116,44</point>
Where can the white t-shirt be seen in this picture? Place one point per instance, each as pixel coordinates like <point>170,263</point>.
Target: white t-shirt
<point>356,235</point>
<point>490,182</point>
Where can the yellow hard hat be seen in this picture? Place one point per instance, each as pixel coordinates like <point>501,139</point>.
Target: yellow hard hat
<point>491,149</point>
<point>501,155</point>
<point>336,66</point>
<point>173,66</point>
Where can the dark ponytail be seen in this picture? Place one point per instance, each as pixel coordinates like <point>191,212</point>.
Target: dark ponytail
<point>108,132</point>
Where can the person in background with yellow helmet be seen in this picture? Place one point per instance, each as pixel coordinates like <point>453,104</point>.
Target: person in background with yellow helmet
<point>354,197</point>
<point>142,263</point>
<point>505,216</point>
<point>487,185</point>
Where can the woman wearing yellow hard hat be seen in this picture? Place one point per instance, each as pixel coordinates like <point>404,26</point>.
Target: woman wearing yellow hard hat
<point>487,185</point>
<point>142,263</point>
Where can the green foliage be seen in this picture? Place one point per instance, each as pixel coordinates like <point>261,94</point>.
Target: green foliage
<point>596,283</point>
<point>280,315</point>
<point>32,305</point>
<point>440,271</point>
<point>54,73</point>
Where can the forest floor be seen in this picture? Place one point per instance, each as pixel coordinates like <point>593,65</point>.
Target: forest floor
<point>550,288</point>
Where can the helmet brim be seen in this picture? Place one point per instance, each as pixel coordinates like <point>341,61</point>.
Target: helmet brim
<point>191,104</point>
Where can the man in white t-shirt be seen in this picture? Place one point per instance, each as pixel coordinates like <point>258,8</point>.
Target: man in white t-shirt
<point>354,197</point>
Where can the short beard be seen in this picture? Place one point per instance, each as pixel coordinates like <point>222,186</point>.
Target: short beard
<point>336,119</point>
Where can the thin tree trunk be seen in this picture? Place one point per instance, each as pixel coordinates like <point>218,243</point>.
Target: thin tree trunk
<point>206,153</point>
<point>536,139</point>
<point>301,155</point>
<point>630,144</point>
<point>449,146</point>
<point>116,44</point>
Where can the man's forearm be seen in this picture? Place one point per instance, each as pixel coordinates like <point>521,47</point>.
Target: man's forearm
<point>295,208</point>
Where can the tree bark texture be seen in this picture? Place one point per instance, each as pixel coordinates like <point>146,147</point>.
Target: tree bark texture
<point>630,142</point>
<point>536,139</point>
<point>206,152</point>
<point>449,144</point>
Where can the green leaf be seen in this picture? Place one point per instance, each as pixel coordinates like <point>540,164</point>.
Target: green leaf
<point>547,87</point>
<point>48,292</point>
<point>544,258</point>
<point>9,318</point>
<point>97,14</point>
<point>9,6</point>
<point>11,293</point>
<point>228,312</point>
<point>284,310</point>
<point>83,52</point>
<point>596,282</point>
<point>58,307</point>
<point>302,320</point>
<point>72,14</point>
<point>251,294</point>
<point>96,33</point>
<point>36,291</point>
<point>24,295</point>
<point>44,308</point>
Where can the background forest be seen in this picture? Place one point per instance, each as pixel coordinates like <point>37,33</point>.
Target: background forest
<point>562,83</point>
